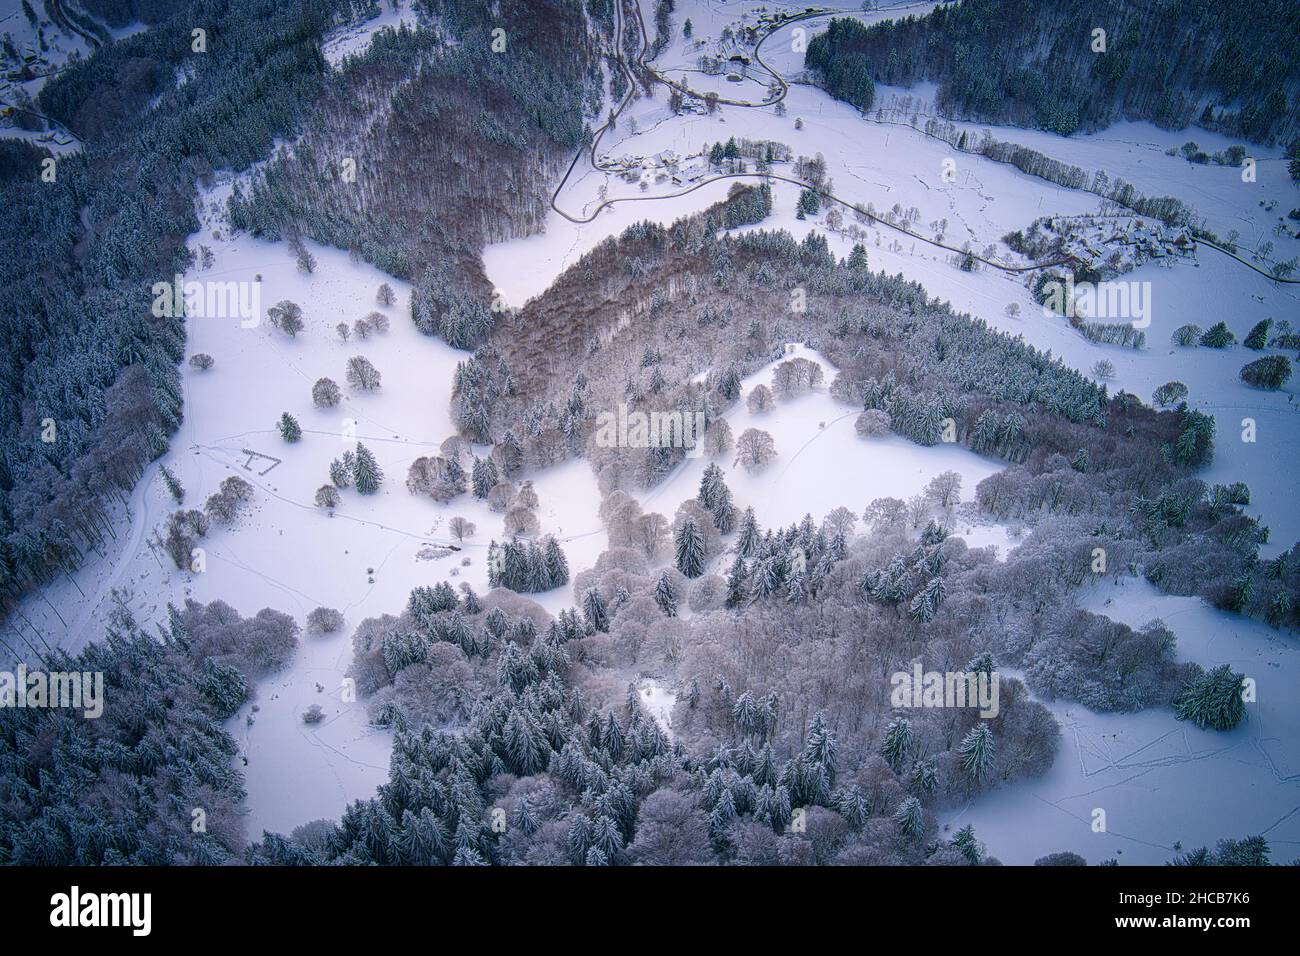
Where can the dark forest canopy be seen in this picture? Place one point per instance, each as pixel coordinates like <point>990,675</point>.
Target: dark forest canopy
<point>1174,62</point>
<point>129,786</point>
<point>436,127</point>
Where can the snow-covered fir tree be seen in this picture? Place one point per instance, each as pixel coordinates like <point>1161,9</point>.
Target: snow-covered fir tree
<point>689,549</point>
<point>594,610</point>
<point>665,596</point>
<point>483,476</point>
<point>366,473</point>
<point>290,430</point>
<point>978,752</point>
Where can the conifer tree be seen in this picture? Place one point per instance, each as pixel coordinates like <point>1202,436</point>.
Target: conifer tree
<point>536,579</point>
<point>729,386</point>
<point>173,484</point>
<point>483,476</point>
<point>970,847</point>
<point>723,511</point>
<point>557,565</point>
<point>665,597</point>
<point>1212,699</point>
<point>853,807</point>
<point>1257,338</point>
<point>710,482</point>
<point>747,543</point>
<point>910,817</point>
<point>366,471</point>
<point>897,743</point>
<point>737,589</point>
<point>924,778</point>
<point>290,430</point>
<point>468,856</point>
<point>593,609</point>
<point>715,496</point>
<point>977,752</point>
<point>690,549</point>
<point>821,748</point>
<point>494,565</point>
<point>926,603</point>
<point>810,203</point>
<point>796,588</point>
<point>453,475</point>
<point>606,837</point>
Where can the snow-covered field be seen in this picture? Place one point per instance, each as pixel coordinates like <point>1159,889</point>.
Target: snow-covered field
<point>1162,784</point>
<point>1160,781</point>
<point>821,462</point>
<point>354,38</point>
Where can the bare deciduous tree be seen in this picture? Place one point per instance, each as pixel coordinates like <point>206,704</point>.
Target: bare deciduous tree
<point>945,489</point>
<point>461,528</point>
<point>521,521</point>
<point>325,393</point>
<point>498,498</point>
<point>873,423</point>
<point>361,374</point>
<point>717,438</point>
<point>754,449</point>
<point>759,400</point>
<point>286,316</point>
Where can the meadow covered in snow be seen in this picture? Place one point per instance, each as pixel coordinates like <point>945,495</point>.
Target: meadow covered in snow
<point>1164,784</point>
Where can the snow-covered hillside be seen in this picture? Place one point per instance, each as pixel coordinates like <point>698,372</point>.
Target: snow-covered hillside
<point>365,557</point>
<point>1164,785</point>
<point>883,165</point>
<point>1161,781</point>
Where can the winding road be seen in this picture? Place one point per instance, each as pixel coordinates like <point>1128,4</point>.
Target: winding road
<point>596,164</point>
<point>856,208</point>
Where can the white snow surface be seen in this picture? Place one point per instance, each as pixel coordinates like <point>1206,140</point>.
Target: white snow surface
<point>1162,784</point>
<point>658,700</point>
<point>353,39</point>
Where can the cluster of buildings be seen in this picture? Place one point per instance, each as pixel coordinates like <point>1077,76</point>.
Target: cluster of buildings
<point>683,170</point>
<point>1098,242</point>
